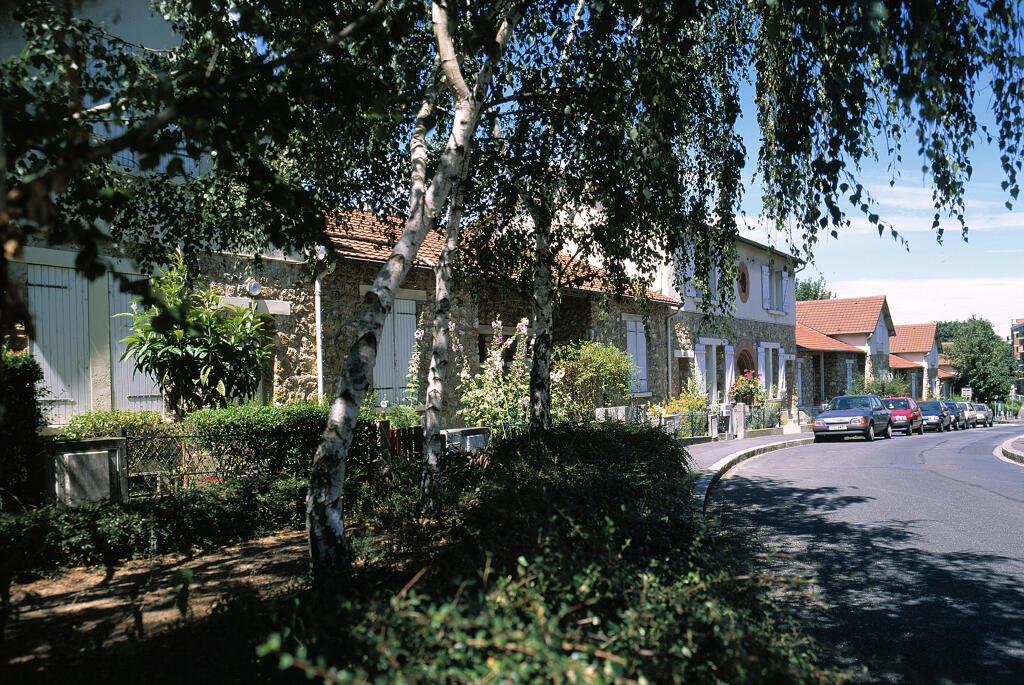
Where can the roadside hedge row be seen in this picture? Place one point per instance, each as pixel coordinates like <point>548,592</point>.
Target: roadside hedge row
<point>189,520</point>
<point>585,562</point>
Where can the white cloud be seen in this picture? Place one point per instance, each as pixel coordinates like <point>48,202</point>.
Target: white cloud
<point>1011,251</point>
<point>944,299</point>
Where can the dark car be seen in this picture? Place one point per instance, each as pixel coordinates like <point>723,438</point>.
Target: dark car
<point>985,415</point>
<point>906,415</point>
<point>853,415</point>
<point>957,415</point>
<point>936,415</point>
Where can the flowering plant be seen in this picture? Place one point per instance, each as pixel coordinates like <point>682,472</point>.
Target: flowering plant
<point>500,392</point>
<point>693,399</point>
<point>747,387</point>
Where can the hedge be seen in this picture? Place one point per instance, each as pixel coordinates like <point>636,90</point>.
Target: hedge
<point>20,416</point>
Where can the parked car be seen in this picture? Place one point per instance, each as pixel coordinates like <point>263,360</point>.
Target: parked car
<point>969,414</point>
<point>906,415</point>
<point>985,415</point>
<point>957,415</point>
<point>936,415</point>
<point>853,415</point>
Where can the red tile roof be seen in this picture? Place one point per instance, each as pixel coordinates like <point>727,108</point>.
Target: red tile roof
<point>362,235</point>
<point>946,374</point>
<point>846,315</point>
<point>896,362</point>
<point>810,339</point>
<point>913,337</point>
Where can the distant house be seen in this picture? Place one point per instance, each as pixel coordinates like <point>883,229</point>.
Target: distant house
<point>1017,342</point>
<point>839,339</point>
<point>914,353</point>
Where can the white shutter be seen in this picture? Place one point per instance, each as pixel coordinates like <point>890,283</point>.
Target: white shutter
<point>394,351</point>
<point>132,390</point>
<point>766,287</point>
<point>404,312</point>
<point>760,367</point>
<point>58,303</point>
<point>785,292</point>
<point>636,346</point>
<point>688,270</point>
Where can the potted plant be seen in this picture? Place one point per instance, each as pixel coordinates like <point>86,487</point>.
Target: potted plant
<point>747,388</point>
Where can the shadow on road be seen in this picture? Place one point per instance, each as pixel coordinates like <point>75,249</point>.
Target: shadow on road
<point>908,614</point>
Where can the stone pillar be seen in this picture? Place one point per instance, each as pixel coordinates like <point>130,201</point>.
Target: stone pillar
<point>760,367</point>
<point>737,423</point>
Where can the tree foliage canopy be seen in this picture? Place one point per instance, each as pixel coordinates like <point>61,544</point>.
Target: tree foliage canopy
<point>984,361</point>
<point>808,289</point>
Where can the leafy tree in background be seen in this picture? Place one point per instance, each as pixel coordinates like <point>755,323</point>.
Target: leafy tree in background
<point>209,355</point>
<point>946,331</point>
<point>807,289</point>
<point>984,361</point>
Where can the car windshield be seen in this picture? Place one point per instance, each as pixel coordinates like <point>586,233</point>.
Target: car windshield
<point>896,404</point>
<point>950,405</point>
<point>930,406</point>
<point>980,407</point>
<point>849,403</point>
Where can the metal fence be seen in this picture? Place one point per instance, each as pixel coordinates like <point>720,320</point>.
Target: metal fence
<point>764,415</point>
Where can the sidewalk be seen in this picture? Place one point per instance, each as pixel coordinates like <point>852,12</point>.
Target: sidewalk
<point>707,453</point>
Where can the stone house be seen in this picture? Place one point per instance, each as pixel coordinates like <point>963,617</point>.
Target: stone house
<point>313,305</point>
<point>947,373</point>
<point>917,345</point>
<point>825,367</point>
<point>861,322</point>
<point>759,334</point>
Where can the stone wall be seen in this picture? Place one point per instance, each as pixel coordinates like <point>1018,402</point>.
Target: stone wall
<point>609,327</point>
<point>742,334</point>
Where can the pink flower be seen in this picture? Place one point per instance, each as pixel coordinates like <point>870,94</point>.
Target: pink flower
<point>418,334</point>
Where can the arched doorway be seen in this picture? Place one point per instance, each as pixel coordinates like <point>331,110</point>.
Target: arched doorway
<point>745,362</point>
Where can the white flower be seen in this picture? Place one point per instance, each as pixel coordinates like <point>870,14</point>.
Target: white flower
<point>451,325</point>
<point>522,325</point>
<point>383,404</point>
<point>418,334</point>
<point>558,375</point>
<point>496,323</point>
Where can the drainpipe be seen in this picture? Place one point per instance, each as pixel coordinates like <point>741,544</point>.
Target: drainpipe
<point>319,333</point>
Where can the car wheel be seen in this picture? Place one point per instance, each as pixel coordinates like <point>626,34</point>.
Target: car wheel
<point>819,438</point>
<point>920,429</point>
<point>869,434</point>
<point>910,430</point>
<point>888,431</point>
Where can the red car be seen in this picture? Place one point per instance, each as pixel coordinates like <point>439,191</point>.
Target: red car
<point>906,415</point>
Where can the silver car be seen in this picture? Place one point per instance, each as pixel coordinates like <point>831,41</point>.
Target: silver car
<point>985,415</point>
<point>970,415</point>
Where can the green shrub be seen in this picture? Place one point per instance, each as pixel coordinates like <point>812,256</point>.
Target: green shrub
<point>586,375</point>
<point>184,521</point>
<point>587,563</point>
<point>20,417</point>
<point>110,423</point>
<point>883,387</point>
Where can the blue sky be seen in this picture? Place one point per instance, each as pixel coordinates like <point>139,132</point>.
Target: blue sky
<point>982,276</point>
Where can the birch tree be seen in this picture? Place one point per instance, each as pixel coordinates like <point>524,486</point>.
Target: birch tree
<point>324,521</point>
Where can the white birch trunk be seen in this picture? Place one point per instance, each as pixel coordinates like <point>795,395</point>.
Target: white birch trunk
<point>540,373</point>
<point>433,443</point>
<point>328,551</point>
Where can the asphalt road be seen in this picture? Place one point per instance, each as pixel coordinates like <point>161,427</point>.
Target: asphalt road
<point>914,547</point>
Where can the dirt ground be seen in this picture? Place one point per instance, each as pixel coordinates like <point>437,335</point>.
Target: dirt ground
<point>96,608</point>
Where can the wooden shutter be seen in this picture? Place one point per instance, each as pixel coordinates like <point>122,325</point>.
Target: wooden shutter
<point>766,287</point>
<point>636,346</point>
<point>58,303</point>
<point>394,351</point>
<point>132,390</point>
<point>785,293</point>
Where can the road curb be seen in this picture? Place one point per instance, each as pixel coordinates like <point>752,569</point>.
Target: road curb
<point>714,473</point>
<point>1006,449</point>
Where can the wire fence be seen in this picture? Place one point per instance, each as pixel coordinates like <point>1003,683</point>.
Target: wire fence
<point>764,415</point>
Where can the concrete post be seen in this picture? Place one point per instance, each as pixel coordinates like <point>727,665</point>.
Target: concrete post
<point>738,423</point>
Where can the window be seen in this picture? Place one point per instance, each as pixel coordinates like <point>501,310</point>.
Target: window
<point>636,346</point>
<point>849,375</point>
<point>775,290</point>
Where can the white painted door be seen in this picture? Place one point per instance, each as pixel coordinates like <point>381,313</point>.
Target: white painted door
<point>132,390</point>
<point>394,352</point>
<point>59,305</point>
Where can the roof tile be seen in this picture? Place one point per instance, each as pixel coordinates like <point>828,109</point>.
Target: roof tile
<point>914,337</point>
<point>810,339</point>
<point>897,362</point>
<point>838,316</point>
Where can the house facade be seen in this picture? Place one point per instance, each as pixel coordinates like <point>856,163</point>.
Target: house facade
<point>915,354</point>
<point>759,334</point>
<point>840,339</point>
<point>1017,342</point>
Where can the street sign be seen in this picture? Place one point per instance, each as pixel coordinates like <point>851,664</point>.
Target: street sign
<point>966,392</point>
